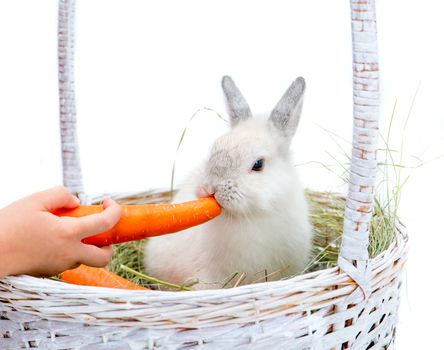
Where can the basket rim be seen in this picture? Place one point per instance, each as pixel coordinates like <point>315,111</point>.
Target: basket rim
<point>59,301</point>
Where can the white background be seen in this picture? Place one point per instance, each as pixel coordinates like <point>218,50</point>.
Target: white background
<point>143,68</point>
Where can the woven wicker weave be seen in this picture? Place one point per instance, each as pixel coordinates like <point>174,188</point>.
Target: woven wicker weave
<point>352,306</point>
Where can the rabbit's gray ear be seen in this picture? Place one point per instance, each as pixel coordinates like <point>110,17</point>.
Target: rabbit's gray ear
<point>237,106</point>
<point>285,116</point>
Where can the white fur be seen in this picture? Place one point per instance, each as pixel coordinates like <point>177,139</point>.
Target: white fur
<point>264,226</point>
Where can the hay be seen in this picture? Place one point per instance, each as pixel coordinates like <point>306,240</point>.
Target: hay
<point>327,213</point>
<point>327,210</point>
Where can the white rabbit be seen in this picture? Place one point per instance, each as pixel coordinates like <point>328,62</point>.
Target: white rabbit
<point>264,227</point>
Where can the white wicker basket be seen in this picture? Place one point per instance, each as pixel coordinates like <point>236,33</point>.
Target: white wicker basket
<point>352,306</point>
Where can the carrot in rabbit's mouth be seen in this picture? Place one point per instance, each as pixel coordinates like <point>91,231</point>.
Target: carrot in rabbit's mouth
<point>148,220</point>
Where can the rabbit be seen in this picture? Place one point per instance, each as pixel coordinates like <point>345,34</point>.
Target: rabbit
<point>263,232</point>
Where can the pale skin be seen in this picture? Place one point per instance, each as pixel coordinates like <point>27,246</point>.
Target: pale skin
<point>34,241</point>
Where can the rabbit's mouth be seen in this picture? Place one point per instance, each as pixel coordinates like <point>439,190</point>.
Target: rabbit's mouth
<point>235,204</point>
<point>229,196</point>
<point>230,202</point>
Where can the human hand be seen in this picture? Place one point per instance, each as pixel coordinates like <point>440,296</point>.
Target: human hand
<point>34,241</point>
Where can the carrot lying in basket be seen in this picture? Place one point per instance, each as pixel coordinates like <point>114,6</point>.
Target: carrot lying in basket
<point>148,220</point>
<point>98,277</point>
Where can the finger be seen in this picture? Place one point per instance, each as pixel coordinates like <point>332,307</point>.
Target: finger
<point>107,202</point>
<point>56,197</point>
<point>94,256</point>
<point>97,223</point>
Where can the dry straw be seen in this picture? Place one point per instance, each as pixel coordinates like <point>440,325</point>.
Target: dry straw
<point>350,306</point>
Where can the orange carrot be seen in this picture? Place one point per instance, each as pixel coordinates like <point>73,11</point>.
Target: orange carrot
<point>94,276</point>
<point>149,220</point>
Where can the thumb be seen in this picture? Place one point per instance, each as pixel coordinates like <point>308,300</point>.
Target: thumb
<point>54,198</point>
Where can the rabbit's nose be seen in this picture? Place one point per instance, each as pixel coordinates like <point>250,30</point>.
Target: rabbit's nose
<point>205,191</point>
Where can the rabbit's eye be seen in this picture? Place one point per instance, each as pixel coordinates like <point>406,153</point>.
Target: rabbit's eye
<point>258,165</point>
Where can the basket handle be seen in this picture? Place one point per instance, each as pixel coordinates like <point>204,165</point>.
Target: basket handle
<point>353,257</point>
<point>72,172</point>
